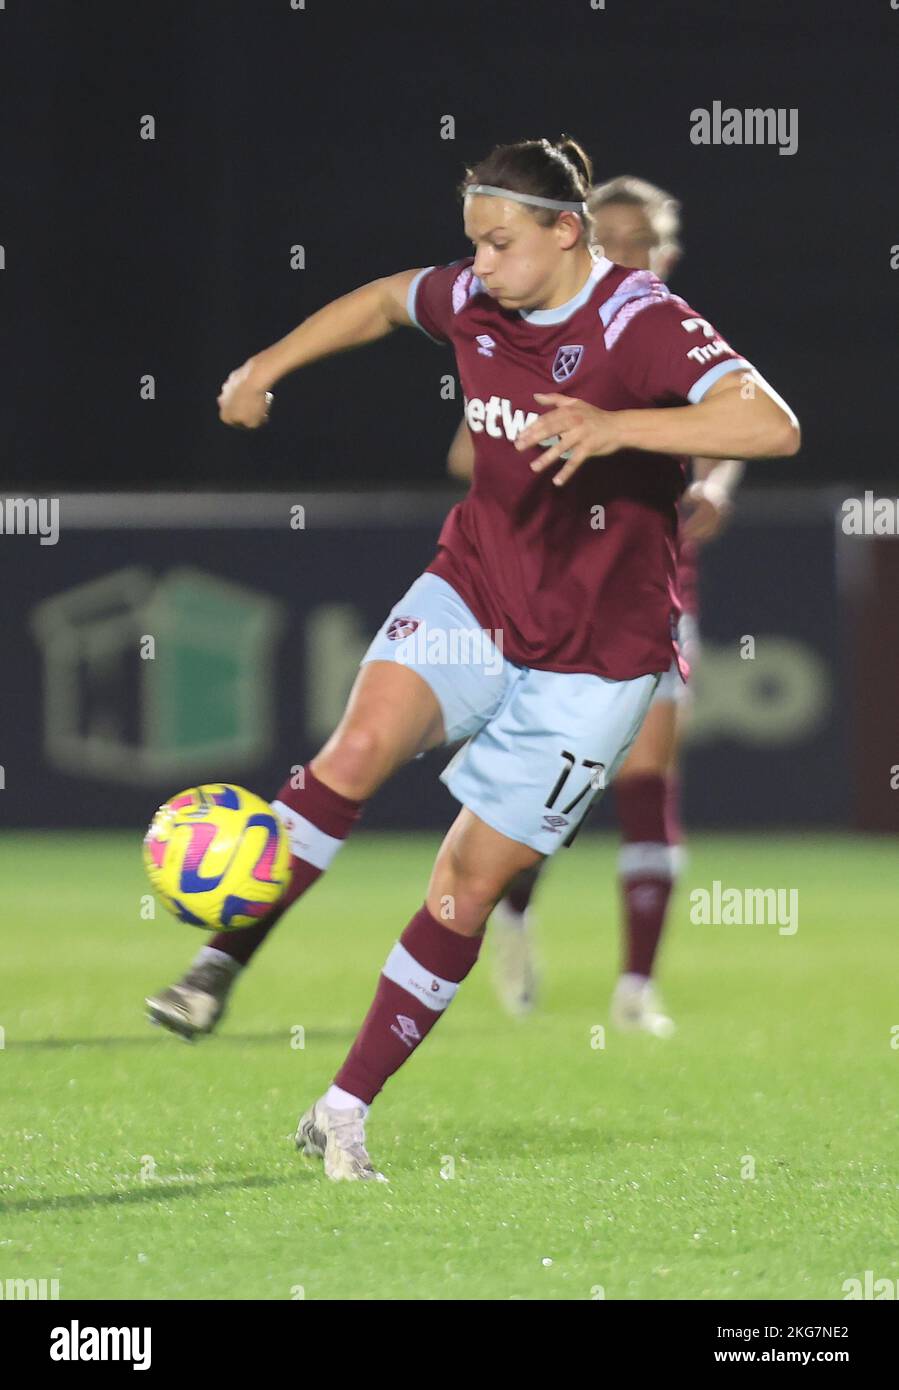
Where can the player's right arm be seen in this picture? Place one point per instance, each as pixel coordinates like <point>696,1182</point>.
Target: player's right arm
<point>363,316</point>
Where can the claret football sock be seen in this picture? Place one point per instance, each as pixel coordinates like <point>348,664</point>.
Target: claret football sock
<point>418,982</point>
<point>317,821</point>
<point>648,864</point>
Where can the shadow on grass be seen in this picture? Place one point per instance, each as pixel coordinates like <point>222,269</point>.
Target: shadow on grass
<point>153,1037</point>
<point>157,1189</point>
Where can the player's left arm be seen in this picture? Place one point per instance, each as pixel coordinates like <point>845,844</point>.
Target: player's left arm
<point>739,415</point>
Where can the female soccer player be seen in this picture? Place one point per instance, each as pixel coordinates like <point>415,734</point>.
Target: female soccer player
<point>534,634</point>
<point>635,224</point>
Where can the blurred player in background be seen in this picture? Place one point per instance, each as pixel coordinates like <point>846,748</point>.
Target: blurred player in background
<point>635,224</point>
<point>548,697</point>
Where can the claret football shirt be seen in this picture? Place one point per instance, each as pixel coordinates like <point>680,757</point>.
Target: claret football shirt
<point>582,577</point>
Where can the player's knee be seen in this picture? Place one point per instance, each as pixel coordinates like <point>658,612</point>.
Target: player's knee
<point>476,885</point>
<point>358,757</point>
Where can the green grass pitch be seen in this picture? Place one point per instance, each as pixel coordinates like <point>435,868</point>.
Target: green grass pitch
<point>751,1156</point>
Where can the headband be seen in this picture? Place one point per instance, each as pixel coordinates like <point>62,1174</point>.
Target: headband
<point>532,198</point>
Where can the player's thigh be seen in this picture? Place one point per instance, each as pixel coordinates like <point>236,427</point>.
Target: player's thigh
<point>430,675</point>
<point>391,716</point>
<point>433,632</point>
<point>474,866</point>
<point>654,750</point>
<point>533,770</point>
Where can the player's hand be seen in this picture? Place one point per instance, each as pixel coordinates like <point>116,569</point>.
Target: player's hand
<point>243,403</point>
<point>706,513</point>
<point>577,429</point>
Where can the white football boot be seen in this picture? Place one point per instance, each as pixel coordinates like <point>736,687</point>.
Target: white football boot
<point>516,974</point>
<point>337,1136</point>
<point>194,1005</point>
<point>636,1008</point>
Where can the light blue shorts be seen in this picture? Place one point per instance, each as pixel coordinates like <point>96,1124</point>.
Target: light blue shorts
<point>541,746</point>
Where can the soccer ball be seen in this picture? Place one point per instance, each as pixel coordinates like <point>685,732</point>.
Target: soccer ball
<point>217,856</point>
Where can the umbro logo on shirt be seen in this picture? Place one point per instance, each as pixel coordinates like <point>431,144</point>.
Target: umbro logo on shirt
<point>485,344</point>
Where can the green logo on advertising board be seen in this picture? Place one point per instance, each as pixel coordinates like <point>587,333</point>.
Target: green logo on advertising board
<point>149,678</point>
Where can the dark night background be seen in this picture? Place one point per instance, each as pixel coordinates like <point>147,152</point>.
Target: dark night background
<point>322,127</point>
